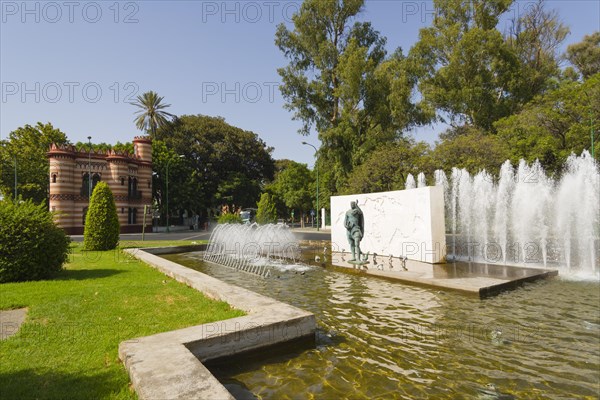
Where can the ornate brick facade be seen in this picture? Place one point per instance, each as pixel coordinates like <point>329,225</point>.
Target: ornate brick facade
<point>129,177</point>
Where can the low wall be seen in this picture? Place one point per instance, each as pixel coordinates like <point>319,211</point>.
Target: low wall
<point>406,223</point>
<point>169,365</point>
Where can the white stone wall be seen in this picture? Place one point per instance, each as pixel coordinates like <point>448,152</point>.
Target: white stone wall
<point>406,223</point>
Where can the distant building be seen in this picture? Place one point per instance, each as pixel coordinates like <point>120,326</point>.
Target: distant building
<point>129,177</point>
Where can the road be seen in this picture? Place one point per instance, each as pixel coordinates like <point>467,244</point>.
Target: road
<point>302,234</point>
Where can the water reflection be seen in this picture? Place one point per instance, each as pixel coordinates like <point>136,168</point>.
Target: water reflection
<point>381,339</point>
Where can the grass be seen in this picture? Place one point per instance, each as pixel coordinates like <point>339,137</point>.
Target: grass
<point>67,348</point>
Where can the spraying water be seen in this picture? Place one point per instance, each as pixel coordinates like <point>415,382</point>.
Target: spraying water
<point>421,181</point>
<point>251,248</point>
<point>527,217</point>
<point>410,182</point>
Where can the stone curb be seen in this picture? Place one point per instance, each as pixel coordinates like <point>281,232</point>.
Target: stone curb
<point>169,365</point>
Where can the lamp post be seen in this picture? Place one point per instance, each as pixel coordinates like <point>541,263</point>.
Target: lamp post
<point>15,178</point>
<point>317,169</point>
<point>90,169</point>
<point>168,162</point>
<point>591,123</point>
<point>592,131</point>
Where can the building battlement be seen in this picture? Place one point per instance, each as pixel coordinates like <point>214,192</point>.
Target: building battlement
<point>74,172</point>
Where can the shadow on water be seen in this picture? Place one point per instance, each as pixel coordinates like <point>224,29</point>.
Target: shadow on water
<point>83,274</point>
<point>224,369</point>
<point>35,384</point>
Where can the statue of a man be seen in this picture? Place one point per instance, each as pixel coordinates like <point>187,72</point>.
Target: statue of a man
<point>355,228</point>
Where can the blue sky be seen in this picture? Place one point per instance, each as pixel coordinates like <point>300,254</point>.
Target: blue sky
<point>77,64</point>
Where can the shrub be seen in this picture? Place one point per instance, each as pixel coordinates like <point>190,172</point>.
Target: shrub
<point>229,219</point>
<point>32,246</point>
<point>101,230</point>
<point>267,211</point>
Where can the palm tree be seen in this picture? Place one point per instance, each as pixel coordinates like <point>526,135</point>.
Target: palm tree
<point>151,116</point>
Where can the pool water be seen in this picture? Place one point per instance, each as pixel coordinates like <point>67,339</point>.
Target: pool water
<point>378,339</point>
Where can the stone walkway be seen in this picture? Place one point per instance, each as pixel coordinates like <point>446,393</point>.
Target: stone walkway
<point>10,322</point>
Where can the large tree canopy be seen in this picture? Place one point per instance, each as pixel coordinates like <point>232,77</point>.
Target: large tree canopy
<point>339,82</point>
<point>28,146</point>
<point>472,73</point>
<point>221,163</point>
<point>585,55</point>
<point>555,124</point>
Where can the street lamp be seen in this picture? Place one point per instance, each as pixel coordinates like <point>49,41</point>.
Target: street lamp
<point>591,123</point>
<point>317,168</point>
<point>15,178</point>
<point>90,169</point>
<point>168,162</point>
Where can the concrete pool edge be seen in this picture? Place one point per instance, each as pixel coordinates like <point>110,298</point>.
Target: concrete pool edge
<point>169,365</point>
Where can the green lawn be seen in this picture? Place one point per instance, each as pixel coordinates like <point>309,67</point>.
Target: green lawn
<point>67,348</point>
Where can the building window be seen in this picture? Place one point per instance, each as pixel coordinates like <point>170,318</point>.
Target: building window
<point>85,188</point>
<point>95,179</point>
<point>122,181</point>
<point>132,216</point>
<point>122,210</point>
<point>53,178</point>
<point>53,208</point>
<point>149,184</point>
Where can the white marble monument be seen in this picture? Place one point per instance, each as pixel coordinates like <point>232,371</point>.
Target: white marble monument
<point>407,223</point>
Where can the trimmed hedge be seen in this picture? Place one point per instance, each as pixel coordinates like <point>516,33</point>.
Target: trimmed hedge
<point>32,246</point>
<point>101,230</point>
<point>267,211</point>
<point>229,219</point>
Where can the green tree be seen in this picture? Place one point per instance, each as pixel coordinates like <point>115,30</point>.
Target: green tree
<point>336,83</point>
<point>151,114</point>
<point>555,124</point>
<point>267,213</point>
<point>295,185</point>
<point>28,145</point>
<point>101,231</point>
<point>470,148</point>
<point>473,74</point>
<point>388,167</point>
<point>32,246</point>
<point>535,38</point>
<point>104,147</point>
<point>221,164</point>
<point>585,55</point>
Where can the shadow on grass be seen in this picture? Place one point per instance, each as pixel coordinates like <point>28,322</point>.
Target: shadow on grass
<point>82,274</point>
<point>32,384</point>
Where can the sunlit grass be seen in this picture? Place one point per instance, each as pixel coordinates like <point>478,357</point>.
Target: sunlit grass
<point>67,348</point>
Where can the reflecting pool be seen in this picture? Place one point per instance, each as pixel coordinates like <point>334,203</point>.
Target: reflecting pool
<point>382,339</point>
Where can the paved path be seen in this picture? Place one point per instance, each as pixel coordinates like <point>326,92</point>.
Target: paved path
<point>302,233</point>
<point>10,322</point>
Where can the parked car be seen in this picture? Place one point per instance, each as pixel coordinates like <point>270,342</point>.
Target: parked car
<point>248,215</point>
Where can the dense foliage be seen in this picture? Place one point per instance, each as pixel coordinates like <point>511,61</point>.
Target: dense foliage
<point>221,164</point>
<point>267,212</point>
<point>229,219</point>
<point>496,80</point>
<point>294,187</point>
<point>101,221</point>
<point>27,147</point>
<point>32,247</point>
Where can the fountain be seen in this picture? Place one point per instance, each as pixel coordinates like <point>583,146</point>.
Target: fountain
<point>417,341</point>
<point>526,217</point>
<point>410,182</point>
<point>252,248</point>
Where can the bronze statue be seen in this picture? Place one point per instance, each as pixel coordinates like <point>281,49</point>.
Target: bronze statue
<point>355,228</point>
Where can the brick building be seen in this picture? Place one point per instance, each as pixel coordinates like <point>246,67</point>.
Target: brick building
<point>129,177</point>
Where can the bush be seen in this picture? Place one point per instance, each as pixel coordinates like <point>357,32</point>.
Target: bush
<point>101,230</point>
<point>32,246</point>
<point>229,219</point>
<point>267,211</point>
